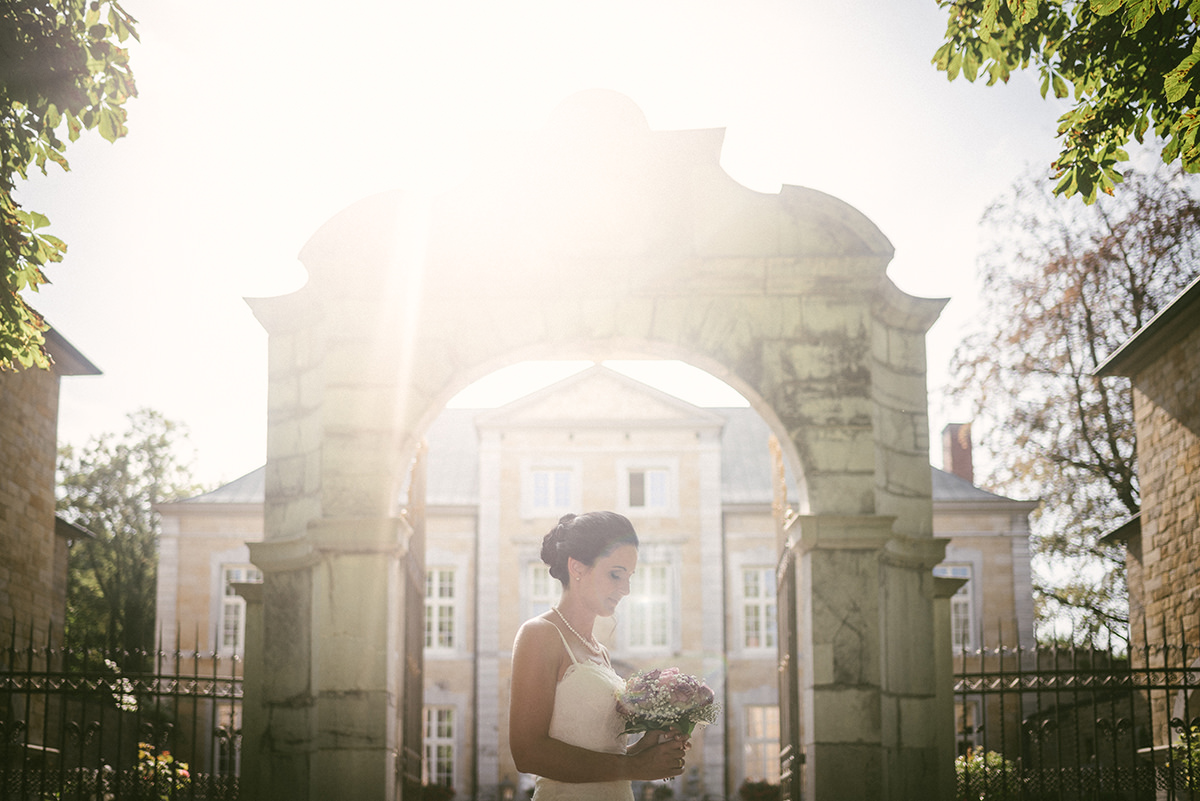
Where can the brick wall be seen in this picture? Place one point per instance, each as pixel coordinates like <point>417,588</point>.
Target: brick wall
<point>1167,408</point>
<point>28,430</point>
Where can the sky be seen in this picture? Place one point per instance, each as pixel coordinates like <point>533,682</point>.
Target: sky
<point>257,122</point>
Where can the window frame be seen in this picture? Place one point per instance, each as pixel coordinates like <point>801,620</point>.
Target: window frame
<point>429,743</point>
<point>668,466</point>
<point>768,604</point>
<point>963,597</point>
<point>667,557</point>
<point>453,604</point>
<point>530,468</point>
<point>233,573</point>
<point>764,742</point>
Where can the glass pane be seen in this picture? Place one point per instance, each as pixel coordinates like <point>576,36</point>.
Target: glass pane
<point>751,580</point>
<point>637,489</point>
<point>562,489</point>
<point>656,491</point>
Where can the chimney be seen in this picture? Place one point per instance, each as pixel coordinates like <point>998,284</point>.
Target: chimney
<point>956,451</point>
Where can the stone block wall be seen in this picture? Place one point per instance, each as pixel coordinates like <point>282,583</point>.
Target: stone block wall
<point>1167,410</point>
<point>28,431</point>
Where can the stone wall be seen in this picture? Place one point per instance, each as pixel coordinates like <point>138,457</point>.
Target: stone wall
<point>28,430</point>
<point>1168,424</point>
<point>1163,553</point>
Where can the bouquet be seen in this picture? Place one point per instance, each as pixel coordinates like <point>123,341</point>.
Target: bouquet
<point>662,699</point>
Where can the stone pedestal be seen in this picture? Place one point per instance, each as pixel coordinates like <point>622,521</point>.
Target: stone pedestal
<point>869,694</point>
<point>325,676</point>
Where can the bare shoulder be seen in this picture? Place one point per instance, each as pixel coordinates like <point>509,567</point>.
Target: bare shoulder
<point>536,632</point>
<point>539,642</point>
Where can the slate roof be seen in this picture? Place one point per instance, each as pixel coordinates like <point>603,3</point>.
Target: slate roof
<point>247,489</point>
<point>453,466</point>
<point>949,487</point>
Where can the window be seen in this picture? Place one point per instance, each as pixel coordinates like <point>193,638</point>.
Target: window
<point>543,589</point>
<point>440,609</point>
<point>229,740</point>
<point>647,487</point>
<point>758,607</point>
<point>232,625</point>
<point>961,615</point>
<point>761,746</point>
<point>650,606</point>
<point>966,719</point>
<point>438,765</point>
<point>549,490</point>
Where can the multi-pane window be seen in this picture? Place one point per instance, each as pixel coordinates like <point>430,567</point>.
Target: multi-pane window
<point>438,765</point>
<point>761,744</point>
<point>543,589</point>
<point>650,606</point>
<point>966,719</point>
<point>550,489</point>
<point>229,738</point>
<point>440,608</point>
<point>648,489</point>
<point>758,607</point>
<point>961,610</point>
<point>232,625</point>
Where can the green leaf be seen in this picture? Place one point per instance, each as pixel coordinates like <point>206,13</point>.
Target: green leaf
<point>1023,10</point>
<point>987,18</point>
<point>1067,184</point>
<point>35,220</point>
<point>1060,86</point>
<point>971,63</point>
<point>1139,12</point>
<point>1178,80</point>
<point>1106,7</point>
<point>954,65</point>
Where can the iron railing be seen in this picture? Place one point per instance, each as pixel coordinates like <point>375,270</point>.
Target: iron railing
<point>1073,723</point>
<point>79,723</point>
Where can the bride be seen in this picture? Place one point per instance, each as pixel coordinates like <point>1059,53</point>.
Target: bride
<point>563,722</point>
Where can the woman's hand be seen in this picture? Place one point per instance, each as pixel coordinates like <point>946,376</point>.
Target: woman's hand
<point>660,754</point>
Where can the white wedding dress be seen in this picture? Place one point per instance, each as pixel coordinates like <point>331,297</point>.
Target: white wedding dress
<point>585,714</point>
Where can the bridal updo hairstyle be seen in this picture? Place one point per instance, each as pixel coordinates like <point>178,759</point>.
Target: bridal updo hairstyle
<point>586,538</point>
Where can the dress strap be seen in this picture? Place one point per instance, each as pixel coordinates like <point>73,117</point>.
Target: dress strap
<point>566,645</point>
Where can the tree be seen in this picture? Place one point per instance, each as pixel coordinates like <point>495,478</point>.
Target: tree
<point>1064,285</point>
<point>110,488</point>
<point>61,68</point>
<point>1127,65</point>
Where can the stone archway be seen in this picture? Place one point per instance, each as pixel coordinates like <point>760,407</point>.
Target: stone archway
<point>595,237</point>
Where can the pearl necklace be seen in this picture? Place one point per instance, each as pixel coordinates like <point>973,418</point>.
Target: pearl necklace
<point>590,644</point>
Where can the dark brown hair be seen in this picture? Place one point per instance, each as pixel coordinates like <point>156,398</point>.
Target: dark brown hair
<point>586,538</point>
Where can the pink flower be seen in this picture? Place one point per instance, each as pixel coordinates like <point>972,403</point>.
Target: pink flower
<point>665,698</point>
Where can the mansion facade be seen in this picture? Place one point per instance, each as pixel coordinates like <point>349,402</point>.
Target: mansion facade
<point>697,484</point>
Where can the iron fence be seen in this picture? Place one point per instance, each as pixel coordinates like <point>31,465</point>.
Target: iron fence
<point>1073,723</point>
<point>80,723</point>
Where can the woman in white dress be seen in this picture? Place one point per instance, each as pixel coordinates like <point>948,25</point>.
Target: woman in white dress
<point>563,722</point>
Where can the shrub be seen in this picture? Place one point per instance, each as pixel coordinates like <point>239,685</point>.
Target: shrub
<point>1185,758</point>
<point>758,791</point>
<point>986,776</point>
<point>437,792</point>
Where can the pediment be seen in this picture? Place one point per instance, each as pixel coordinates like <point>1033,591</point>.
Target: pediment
<point>599,396</point>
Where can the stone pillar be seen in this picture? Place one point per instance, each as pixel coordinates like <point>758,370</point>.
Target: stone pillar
<point>712,568</point>
<point>325,723</point>
<point>869,697</point>
<point>252,688</point>
<point>489,694</point>
<point>947,744</point>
